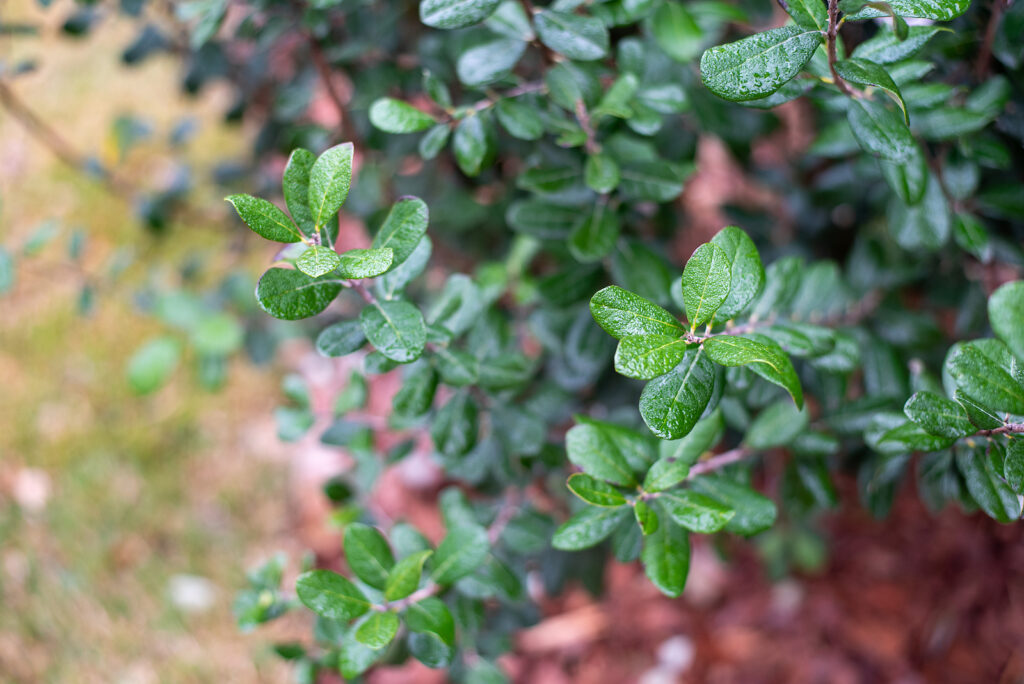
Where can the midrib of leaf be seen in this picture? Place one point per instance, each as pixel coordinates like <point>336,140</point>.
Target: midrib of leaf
<point>391,324</point>
<point>303,287</point>
<point>290,228</point>
<point>323,200</point>
<point>366,550</point>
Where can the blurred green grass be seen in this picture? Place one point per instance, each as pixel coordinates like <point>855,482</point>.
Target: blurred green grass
<point>108,500</point>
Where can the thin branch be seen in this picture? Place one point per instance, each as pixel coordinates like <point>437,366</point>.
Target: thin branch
<point>830,37</point>
<point>487,102</point>
<point>719,461</point>
<point>505,514</point>
<point>1009,428</point>
<point>583,117</point>
<point>363,291</point>
<point>981,66</point>
<point>414,597</point>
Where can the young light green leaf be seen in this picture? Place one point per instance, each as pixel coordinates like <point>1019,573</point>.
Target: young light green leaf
<point>452,14</point>
<point>938,415</point>
<point>404,577</point>
<point>1006,313</point>
<point>295,185</point>
<point>365,263</point>
<point>696,512</point>
<point>666,558</point>
<point>329,181</point>
<point>707,279</point>
<point>590,526</point>
<point>396,329</point>
<point>879,130</point>
<point>330,595</point>
<point>864,72</point>
<point>767,360</point>
<point>577,37</point>
<point>646,518</point>
<point>318,260</point>
<point>461,552</point>
<point>645,357</point>
<point>758,65</point>
<point>672,404</point>
<point>368,554</point>
<point>622,313</point>
<point>377,630</point>
<point>747,274</point>
<point>291,295</point>
<point>264,218</point>
<point>595,492</point>
<point>395,116</point>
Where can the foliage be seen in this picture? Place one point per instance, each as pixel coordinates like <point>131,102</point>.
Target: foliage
<point>880,340</point>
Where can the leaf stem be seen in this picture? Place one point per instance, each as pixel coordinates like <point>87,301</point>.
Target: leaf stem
<point>1009,428</point>
<point>415,597</point>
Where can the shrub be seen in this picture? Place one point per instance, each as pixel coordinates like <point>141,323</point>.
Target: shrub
<point>552,147</point>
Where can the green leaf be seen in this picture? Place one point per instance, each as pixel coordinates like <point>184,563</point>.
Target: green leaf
<point>519,119</point>
<point>985,380</point>
<point>590,526</point>
<point>810,14</point>
<point>473,144</point>
<point>329,181</point>
<point>940,10</point>
<point>489,62</point>
<point>645,357</point>
<point>417,392</point>
<point>924,226</point>
<point>377,630</point>
<point>646,518</point>
<point>431,616</point>
<point>461,552</point>
<point>706,283</point>
<point>457,368</point>
<point>452,14</point>
<point>395,116</point>
<point>866,73</point>
<point>777,425</point>
<point>454,429</point>
<point>677,456</point>
<point>289,294</point>
<point>885,47</point>
<point>754,512</point>
<point>594,235</point>
<point>265,219</point>
<point>910,437</point>
<point>983,418</point>
<point>677,32</point>
<point>601,173</point>
<point>1013,464</point>
<point>330,595</point>
<point>365,263</point>
<point>318,260</point>
<point>656,181</point>
<point>404,576</point>
<point>747,274</point>
<point>621,313</point>
<point>354,658</point>
<point>938,415</point>
<point>770,362</point>
<point>1006,313</point>
<point>696,512</point>
<point>595,492</point>
<point>880,131</point>
<point>396,329</point>
<point>672,404</point>
<point>403,229</point>
<point>666,558</point>
<point>992,494</point>
<point>153,364</point>
<point>758,65</point>
<point>431,144</point>
<point>295,184</point>
<point>591,447</point>
<point>368,554</point>
<point>340,339</point>
<point>577,37</point>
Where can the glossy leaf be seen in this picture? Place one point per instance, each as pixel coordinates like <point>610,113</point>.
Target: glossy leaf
<point>265,219</point>
<point>707,280</point>
<point>589,527</point>
<point>330,595</point>
<point>985,380</point>
<point>451,14</point>
<point>696,512</point>
<point>365,263</point>
<point>879,130</point>
<point>318,260</point>
<point>575,36</point>
<point>403,229</point>
<point>621,313</point>
<point>938,415</point>
<point>290,294</point>
<point>758,65</point>
<point>377,630</point>
<point>672,404</point>
<point>329,181</point>
<point>594,492</point>
<point>396,329</point>
<point>666,558</point>
<point>368,554</point>
<point>746,277</point>
<point>1006,313</point>
<point>645,357</point>
<point>771,363</point>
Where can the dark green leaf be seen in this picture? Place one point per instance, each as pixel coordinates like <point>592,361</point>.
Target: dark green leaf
<point>754,512</point>
<point>329,181</point>
<point>340,339</point>
<point>403,229</point>
<point>992,494</point>
<point>594,492</point>
<point>461,552</point>
<point>758,65</point>
<point>591,447</point>
<point>985,380</point>
<point>864,72</point>
<point>396,329</point>
<point>590,526</point>
<point>575,36</point>
<point>747,273</point>
<point>770,362</point>
<point>696,512</point>
<point>880,131</point>
<point>265,219</point>
<point>594,234</point>
<point>1006,313</point>
<point>645,357</point>
<point>622,313</point>
<point>330,595</point>
<point>451,14</point>
<point>706,283</point>
<point>368,554</point>
<point>672,404</point>
<point>290,294</point>
<point>938,415</point>
<point>666,558</point>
